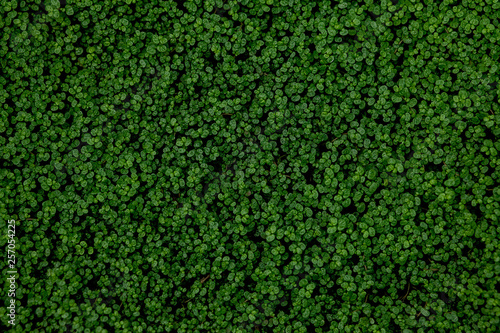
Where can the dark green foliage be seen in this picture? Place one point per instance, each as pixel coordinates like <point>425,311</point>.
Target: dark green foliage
<point>233,166</point>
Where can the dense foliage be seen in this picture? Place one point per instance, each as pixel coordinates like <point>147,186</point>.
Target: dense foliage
<point>270,165</point>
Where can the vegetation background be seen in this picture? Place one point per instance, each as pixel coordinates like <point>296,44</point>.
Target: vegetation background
<point>240,166</point>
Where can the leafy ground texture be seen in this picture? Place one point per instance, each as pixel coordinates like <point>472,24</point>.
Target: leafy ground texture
<point>240,166</point>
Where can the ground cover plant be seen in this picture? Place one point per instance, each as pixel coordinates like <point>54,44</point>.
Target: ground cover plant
<point>240,166</point>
